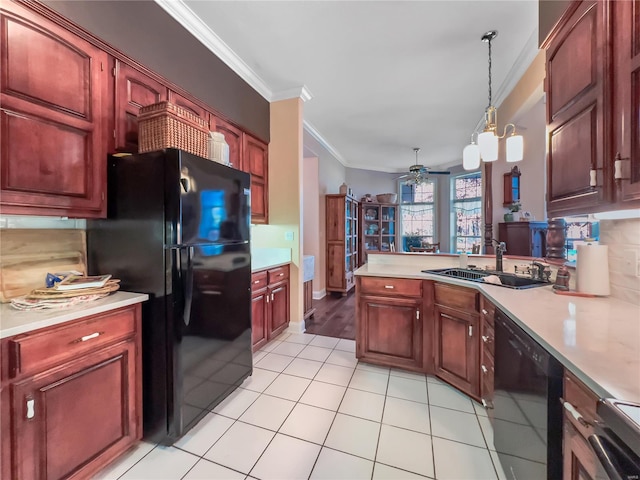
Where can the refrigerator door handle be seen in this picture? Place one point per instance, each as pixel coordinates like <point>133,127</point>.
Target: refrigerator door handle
<point>187,279</point>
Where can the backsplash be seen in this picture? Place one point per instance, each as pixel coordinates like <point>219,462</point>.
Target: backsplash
<point>29,221</point>
<point>622,236</point>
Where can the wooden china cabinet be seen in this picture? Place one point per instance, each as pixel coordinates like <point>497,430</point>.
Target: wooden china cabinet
<point>342,242</point>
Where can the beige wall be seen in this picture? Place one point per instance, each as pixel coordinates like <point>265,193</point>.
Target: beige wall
<point>331,174</point>
<point>285,196</point>
<point>524,107</point>
<point>311,213</point>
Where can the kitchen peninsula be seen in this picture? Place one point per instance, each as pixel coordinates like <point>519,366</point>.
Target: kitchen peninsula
<point>593,338</point>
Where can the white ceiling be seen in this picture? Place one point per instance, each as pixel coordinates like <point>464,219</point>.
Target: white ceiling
<point>384,76</point>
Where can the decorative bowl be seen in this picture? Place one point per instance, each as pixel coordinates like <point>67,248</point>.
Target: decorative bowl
<point>386,197</point>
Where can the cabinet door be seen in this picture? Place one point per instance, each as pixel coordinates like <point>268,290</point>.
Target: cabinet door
<point>259,333</point>
<point>134,89</point>
<point>256,162</point>
<point>56,415</point>
<point>391,331</point>
<point>580,462</point>
<point>457,349</point>
<point>187,104</point>
<point>233,137</point>
<point>279,314</point>
<point>54,101</point>
<point>627,97</point>
<point>578,112</point>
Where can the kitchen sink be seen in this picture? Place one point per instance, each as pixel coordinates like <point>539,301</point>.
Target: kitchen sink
<point>508,280</point>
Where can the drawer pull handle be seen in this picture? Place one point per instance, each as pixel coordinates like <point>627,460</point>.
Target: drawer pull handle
<point>471,330</point>
<point>484,369</point>
<point>87,337</point>
<point>486,339</point>
<point>389,286</point>
<point>31,411</point>
<point>281,274</point>
<point>256,281</point>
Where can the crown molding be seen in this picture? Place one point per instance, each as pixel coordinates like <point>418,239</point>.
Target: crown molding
<point>180,12</point>
<point>297,92</point>
<point>318,136</point>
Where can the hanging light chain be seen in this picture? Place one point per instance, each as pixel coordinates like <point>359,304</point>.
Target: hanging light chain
<point>490,99</point>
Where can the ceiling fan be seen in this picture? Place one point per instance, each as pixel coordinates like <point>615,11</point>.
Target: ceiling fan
<point>418,173</point>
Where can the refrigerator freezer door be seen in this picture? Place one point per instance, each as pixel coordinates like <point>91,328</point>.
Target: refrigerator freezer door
<point>207,202</point>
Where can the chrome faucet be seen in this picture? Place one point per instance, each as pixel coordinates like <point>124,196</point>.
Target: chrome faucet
<point>540,271</point>
<point>500,249</point>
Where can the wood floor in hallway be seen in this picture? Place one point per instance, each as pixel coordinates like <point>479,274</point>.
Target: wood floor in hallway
<point>334,317</point>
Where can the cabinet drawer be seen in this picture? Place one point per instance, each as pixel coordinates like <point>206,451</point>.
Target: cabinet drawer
<point>278,274</point>
<point>488,311</point>
<point>452,296</point>
<point>391,286</point>
<point>258,280</point>
<point>33,351</point>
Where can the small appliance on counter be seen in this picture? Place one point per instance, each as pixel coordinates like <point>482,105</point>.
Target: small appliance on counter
<point>178,229</point>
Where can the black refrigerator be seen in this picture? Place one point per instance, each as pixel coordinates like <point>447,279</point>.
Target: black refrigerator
<point>178,229</point>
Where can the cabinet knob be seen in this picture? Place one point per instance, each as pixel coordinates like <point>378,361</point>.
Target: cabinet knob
<point>486,339</point>
<point>484,312</point>
<point>389,286</point>
<point>488,404</point>
<point>484,369</point>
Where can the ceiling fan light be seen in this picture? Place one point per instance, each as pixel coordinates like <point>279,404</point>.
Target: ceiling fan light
<point>515,148</point>
<point>471,157</point>
<point>488,144</point>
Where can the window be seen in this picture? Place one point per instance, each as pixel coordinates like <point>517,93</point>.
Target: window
<point>466,204</point>
<point>579,229</point>
<point>417,213</point>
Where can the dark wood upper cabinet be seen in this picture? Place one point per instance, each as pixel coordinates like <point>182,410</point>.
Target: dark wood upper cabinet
<point>187,104</point>
<point>233,137</point>
<point>578,116</point>
<point>55,102</point>
<point>593,108</point>
<point>255,161</point>
<point>627,98</point>
<point>133,90</point>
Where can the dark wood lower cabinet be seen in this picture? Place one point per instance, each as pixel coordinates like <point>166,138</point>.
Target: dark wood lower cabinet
<point>269,305</point>
<point>457,349</point>
<point>71,396</point>
<point>390,331</point>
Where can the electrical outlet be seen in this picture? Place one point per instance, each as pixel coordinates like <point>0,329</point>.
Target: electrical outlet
<point>288,236</point>
<point>630,263</point>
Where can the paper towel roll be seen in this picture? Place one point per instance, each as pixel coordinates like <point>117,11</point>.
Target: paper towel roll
<point>592,269</point>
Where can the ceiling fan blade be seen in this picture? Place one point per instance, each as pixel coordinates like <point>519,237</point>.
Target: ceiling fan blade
<point>436,172</point>
<point>402,176</point>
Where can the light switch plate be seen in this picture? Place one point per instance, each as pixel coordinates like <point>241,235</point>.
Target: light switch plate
<point>288,236</point>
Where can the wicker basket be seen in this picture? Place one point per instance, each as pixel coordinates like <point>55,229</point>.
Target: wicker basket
<point>165,125</point>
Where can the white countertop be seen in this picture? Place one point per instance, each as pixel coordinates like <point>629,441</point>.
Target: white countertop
<point>14,322</point>
<point>597,339</point>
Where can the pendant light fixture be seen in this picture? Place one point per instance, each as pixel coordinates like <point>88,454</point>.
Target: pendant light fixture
<point>487,147</point>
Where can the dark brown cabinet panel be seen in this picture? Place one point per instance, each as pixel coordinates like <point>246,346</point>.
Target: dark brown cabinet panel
<point>390,332</point>
<point>100,388</point>
<point>627,98</point>
<point>54,106</point>
<point>259,332</point>
<point>233,137</point>
<point>270,312</point>
<point>487,353</point>
<point>578,116</point>
<point>255,160</point>
<point>457,349</point>
<point>187,104</point>
<point>134,89</point>
<point>73,403</point>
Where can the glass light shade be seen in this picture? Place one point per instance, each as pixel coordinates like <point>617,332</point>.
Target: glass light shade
<point>515,148</point>
<point>488,144</point>
<point>471,157</point>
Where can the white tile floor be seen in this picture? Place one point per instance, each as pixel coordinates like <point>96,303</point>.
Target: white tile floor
<point>311,411</point>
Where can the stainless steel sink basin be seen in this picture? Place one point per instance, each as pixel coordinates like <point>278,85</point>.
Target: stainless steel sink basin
<point>509,280</point>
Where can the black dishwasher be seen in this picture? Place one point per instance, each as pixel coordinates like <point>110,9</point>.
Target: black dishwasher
<point>527,417</point>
